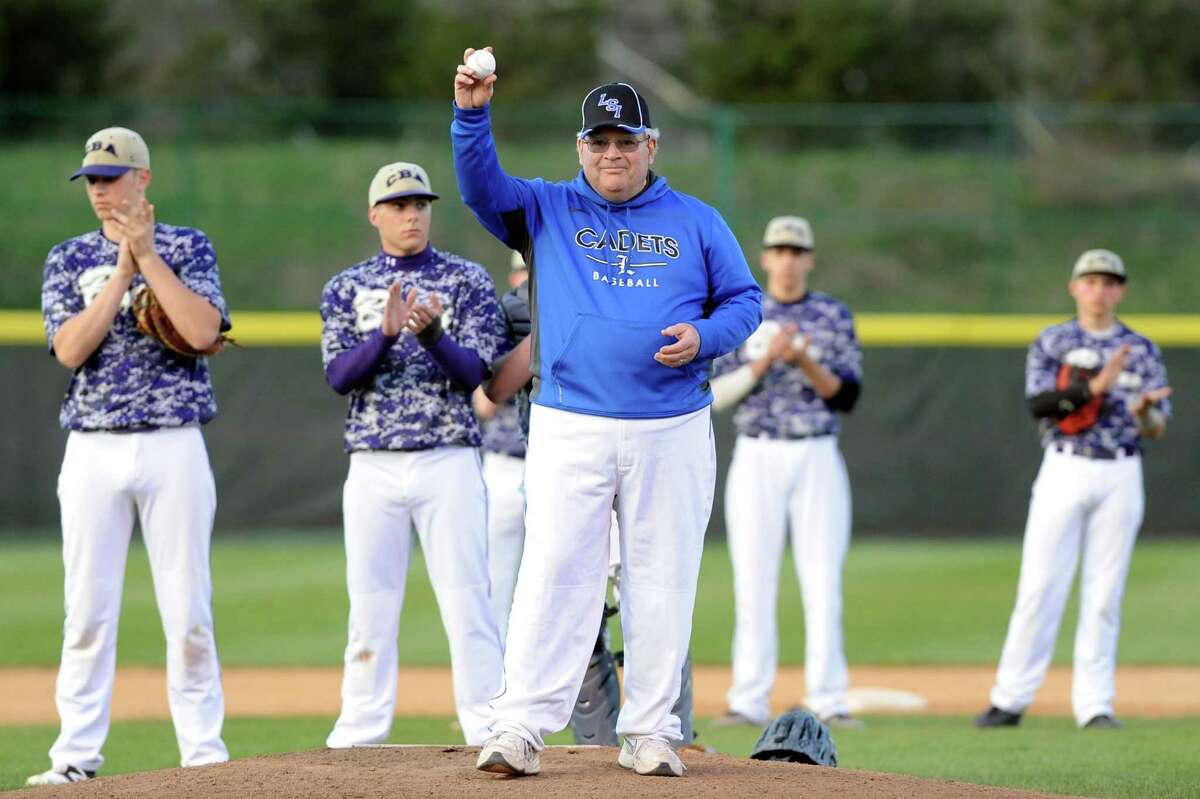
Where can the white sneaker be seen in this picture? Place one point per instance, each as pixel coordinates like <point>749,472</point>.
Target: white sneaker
<point>509,753</point>
<point>650,757</point>
<point>66,776</point>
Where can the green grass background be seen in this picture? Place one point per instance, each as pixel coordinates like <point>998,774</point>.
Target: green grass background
<point>900,228</point>
<point>280,600</point>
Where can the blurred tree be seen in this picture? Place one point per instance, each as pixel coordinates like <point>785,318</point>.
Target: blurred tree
<point>53,47</point>
<point>1119,50</point>
<point>372,48</point>
<point>852,50</point>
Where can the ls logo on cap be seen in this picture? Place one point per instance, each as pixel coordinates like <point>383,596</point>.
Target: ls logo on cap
<point>98,145</point>
<point>612,106</point>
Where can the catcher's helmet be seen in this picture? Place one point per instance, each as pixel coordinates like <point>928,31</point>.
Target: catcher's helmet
<point>796,737</point>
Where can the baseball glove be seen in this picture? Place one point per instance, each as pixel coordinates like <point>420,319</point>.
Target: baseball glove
<point>796,737</point>
<point>1086,415</point>
<point>154,322</point>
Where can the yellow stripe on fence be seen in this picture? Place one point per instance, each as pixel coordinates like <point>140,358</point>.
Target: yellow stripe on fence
<point>303,329</point>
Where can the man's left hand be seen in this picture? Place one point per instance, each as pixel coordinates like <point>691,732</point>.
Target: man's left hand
<point>685,348</point>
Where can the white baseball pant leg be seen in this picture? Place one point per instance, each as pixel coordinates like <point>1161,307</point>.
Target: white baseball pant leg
<point>164,477</point>
<point>1107,550</point>
<point>1077,504</point>
<point>756,491</point>
<point>441,493</point>
<point>504,475</point>
<point>1049,555</point>
<point>773,485</point>
<point>820,525</point>
<point>661,473</point>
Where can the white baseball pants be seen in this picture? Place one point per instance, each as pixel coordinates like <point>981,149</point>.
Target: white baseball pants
<point>659,474</point>
<point>503,475</point>
<point>440,493</point>
<point>163,479</point>
<point>775,486</point>
<point>1079,505</point>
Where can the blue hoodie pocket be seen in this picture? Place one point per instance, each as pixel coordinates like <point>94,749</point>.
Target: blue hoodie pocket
<point>607,367</point>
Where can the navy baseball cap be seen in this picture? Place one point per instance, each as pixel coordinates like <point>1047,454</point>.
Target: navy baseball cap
<point>614,105</point>
<point>112,152</point>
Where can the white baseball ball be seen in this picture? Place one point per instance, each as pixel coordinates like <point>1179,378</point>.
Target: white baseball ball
<point>482,63</point>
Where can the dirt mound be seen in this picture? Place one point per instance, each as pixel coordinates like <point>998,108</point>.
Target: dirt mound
<point>432,772</point>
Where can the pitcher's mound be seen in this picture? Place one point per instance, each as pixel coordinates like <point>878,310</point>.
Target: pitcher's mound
<point>432,772</point>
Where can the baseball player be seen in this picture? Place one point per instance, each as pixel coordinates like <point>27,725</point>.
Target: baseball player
<point>407,334</point>
<point>789,381</point>
<point>134,411</point>
<point>1097,389</point>
<point>503,470</point>
<point>636,287</point>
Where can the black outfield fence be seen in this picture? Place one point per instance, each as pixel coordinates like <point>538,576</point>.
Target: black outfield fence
<point>940,443</point>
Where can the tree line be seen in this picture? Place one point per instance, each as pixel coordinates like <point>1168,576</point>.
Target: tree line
<point>724,51</point>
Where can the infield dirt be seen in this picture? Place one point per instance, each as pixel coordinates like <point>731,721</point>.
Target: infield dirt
<point>140,693</point>
<point>436,772</point>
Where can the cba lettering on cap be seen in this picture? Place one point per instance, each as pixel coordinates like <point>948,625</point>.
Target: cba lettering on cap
<point>1099,262</point>
<point>112,152</point>
<point>789,231</point>
<point>400,179</point>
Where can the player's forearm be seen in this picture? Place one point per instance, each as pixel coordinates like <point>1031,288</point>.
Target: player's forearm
<point>729,389</point>
<point>80,335</point>
<point>482,182</point>
<point>193,316</point>
<point>824,382</point>
<point>509,374</point>
<point>1059,404</point>
<point>356,367</point>
<point>463,366</point>
<point>484,407</point>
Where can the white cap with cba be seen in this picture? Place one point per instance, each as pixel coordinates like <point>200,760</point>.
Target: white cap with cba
<point>789,231</point>
<point>112,152</point>
<point>400,179</point>
<point>1099,262</point>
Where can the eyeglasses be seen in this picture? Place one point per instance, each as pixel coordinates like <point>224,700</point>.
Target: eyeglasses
<point>625,144</point>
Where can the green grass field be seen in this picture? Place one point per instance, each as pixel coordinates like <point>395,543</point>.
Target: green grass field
<point>915,229</point>
<point>280,600</point>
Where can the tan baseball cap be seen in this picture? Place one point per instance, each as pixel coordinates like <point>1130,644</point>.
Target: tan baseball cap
<point>399,180</point>
<point>517,262</point>
<point>1099,262</point>
<point>112,152</point>
<point>788,231</point>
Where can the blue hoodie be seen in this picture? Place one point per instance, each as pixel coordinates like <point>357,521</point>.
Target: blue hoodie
<point>606,279</point>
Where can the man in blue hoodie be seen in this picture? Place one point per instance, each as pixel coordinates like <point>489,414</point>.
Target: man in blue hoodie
<point>634,289</point>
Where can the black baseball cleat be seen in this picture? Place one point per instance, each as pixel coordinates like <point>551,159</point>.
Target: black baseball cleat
<point>1103,722</point>
<point>995,717</point>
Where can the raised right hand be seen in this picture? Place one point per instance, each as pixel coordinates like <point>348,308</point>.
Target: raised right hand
<point>470,91</point>
<point>1107,376</point>
<point>397,311</point>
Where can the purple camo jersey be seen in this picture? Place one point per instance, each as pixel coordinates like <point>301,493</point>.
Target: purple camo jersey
<point>131,382</point>
<point>502,433</point>
<point>784,404</point>
<point>410,404</point>
<point>1068,343</point>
